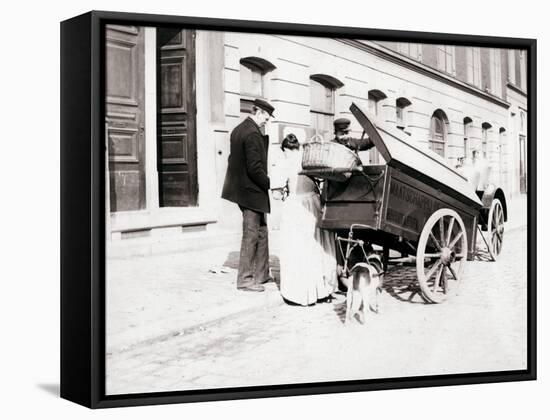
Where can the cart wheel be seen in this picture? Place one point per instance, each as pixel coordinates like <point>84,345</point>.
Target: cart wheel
<point>440,256</point>
<point>495,228</point>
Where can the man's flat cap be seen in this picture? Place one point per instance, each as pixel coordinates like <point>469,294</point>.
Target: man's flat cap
<point>266,106</point>
<point>342,124</point>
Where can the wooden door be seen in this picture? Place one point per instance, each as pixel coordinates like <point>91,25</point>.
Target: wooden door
<point>125,116</point>
<point>177,151</point>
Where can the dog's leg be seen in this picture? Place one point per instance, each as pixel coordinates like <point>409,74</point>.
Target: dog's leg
<point>356,299</point>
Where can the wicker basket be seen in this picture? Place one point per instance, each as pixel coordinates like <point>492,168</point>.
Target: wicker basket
<point>329,160</point>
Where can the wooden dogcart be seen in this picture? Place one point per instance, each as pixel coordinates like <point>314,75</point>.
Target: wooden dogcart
<point>414,204</point>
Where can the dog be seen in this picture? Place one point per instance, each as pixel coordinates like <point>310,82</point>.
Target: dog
<point>364,287</point>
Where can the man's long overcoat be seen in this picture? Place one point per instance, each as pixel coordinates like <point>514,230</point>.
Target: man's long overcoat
<point>246,181</point>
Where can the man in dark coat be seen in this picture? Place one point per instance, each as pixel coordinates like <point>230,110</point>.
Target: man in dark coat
<point>341,135</point>
<point>247,184</point>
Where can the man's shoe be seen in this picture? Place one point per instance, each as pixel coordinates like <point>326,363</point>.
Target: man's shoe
<point>252,288</point>
<point>269,279</point>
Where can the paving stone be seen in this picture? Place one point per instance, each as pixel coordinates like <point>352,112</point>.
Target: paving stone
<point>483,328</point>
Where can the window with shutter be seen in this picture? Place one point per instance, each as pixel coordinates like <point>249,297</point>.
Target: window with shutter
<point>523,70</point>
<point>322,103</point>
<point>438,132</point>
<point>512,66</point>
<point>468,123</point>
<point>410,49</point>
<point>400,112</point>
<point>496,72</point>
<point>252,74</point>
<point>473,66</point>
<point>446,60</point>
<point>375,102</point>
<point>485,127</point>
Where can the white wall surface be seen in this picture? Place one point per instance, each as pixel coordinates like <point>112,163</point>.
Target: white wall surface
<point>29,269</point>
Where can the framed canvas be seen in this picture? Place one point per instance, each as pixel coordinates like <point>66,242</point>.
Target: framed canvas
<point>257,209</point>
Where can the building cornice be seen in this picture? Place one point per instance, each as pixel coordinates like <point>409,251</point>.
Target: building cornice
<point>516,89</point>
<point>389,55</point>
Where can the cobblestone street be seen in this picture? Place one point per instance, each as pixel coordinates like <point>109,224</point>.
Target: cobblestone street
<point>483,328</point>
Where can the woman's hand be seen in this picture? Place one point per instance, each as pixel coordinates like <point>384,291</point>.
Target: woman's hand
<point>277,193</point>
<point>285,192</point>
<point>280,193</point>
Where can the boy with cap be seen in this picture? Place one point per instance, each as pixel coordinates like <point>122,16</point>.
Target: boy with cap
<point>247,184</point>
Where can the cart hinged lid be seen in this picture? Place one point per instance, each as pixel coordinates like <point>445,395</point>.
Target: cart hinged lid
<point>399,151</point>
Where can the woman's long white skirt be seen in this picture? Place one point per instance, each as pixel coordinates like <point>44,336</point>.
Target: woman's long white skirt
<point>308,254</point>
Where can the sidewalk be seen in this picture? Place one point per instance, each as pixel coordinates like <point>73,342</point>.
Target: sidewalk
<point>153,298</point>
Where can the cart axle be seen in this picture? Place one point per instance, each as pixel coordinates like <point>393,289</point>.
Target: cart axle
<point>447,256</point>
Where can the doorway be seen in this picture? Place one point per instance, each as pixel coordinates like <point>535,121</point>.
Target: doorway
<point>176,118</point>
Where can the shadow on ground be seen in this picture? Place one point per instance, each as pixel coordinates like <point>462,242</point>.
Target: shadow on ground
<point>52,389</point>
<point>482,255</point>
<point>401,283</point>
<point>232,261</point>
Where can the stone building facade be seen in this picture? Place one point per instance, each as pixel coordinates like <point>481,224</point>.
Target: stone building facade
<point>168,123</point>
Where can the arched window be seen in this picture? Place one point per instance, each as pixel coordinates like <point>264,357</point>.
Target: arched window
<point>400,113</point>
<point>322,98</point>
<point>376,97</point>
<point>252,72</point>
<point>438,132</point>
<point>485,127</point>
<point>468,124</point>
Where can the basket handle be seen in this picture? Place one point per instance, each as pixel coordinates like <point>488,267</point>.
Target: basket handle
<point>316,137</point>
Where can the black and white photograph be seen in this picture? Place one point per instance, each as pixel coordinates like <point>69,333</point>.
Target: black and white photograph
<point>287,209</point>
<point>232,210</point>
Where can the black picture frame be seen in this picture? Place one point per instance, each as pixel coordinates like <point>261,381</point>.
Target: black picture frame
<point>83,210</point>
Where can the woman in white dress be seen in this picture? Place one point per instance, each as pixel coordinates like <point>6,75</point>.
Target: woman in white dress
<point>308,254</point>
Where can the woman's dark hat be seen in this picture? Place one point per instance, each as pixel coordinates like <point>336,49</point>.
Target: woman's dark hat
<point>266,106</point>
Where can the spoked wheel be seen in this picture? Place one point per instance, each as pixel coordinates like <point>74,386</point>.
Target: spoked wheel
<point>441,254</point>
<point>495,228</point>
